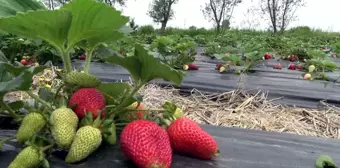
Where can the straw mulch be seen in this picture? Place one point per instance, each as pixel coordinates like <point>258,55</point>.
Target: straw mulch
<point>236,109</point>
<point>239,109</point>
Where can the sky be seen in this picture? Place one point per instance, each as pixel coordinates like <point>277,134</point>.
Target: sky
<point>188,13</point>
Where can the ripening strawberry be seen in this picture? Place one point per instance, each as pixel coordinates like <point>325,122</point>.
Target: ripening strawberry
<point>64,123</point>
<point>189,138</point>
<point>146,144</point>
<point>193,67</point>
<point>86,100</point>
<point>136,114</point>
<point>29,157</point>
<point>30,125</point>
<point>86,141</point>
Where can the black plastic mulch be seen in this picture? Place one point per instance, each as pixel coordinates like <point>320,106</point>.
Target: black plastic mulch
<point>240,148</point>
<point>288,85</point>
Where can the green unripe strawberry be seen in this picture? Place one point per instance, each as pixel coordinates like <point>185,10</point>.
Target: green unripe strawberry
<point>64,126</point>
<point>83,80</point>
<point>29,157</point>
<point>86,141</point>
<point>30,125</point>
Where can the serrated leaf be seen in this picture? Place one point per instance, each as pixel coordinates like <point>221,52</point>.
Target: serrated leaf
<point>93,20</point>
<point>11,7</point>
<point>114,91</point>
<point>144,67</point>
<point>51,26</point>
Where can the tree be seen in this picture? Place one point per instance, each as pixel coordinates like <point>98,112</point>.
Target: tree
<point>219,10</point>
<point>160,11</point>
<point>53,4</point>
<point>251,20</point>
<point>225,24</point>
<point>280,12</point>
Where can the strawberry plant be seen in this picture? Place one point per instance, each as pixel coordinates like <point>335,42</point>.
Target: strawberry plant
<point>83,111</point>
<point>174,54</point>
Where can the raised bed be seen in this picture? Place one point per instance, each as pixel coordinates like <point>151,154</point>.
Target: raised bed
<point>285,84</point>
<point>240,148</point>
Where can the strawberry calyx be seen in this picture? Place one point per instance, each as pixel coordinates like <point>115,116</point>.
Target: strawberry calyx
<point>100,122</point>
<point>217,153</point>
<point>157,166</point>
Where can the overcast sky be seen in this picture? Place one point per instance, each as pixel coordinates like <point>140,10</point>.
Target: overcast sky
<point>317,14</point>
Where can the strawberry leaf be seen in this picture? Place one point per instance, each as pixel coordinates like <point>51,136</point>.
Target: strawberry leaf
<point>144,67</point>
<point>21,78</point>
<point>51,26</point>
<point>115,93</point>
<point>76,21</point>
<point>11,7</point>
<point>93,21</point>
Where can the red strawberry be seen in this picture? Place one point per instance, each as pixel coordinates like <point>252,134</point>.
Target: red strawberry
<point>82,57</point>
<point>146,144</point>
<point>292,67</point>
<point>277,66</point>
<point>23,62</point>
<point>193,67</point>
<point>88,100</point>
<point>121,51</point>
<point>189,138</point>
<point>267,56</point>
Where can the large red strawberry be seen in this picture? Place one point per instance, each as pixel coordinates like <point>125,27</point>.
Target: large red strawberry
<point>189,138</point>
<point>87,100</point>
<point>146,144</point>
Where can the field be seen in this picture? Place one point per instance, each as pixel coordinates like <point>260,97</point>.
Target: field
<point>253,80</point>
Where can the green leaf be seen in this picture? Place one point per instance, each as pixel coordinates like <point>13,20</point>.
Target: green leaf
<point>115,93</point>
<point>11,7</point>
<point>17,105</point>
<point>51,26</point>
<point>112,137</point>
<point>46,94</point>
<point>3,57</point>
<point>93,20</point>
<point>144,67</point>
<point>324,161</point>
<point>22,78</point>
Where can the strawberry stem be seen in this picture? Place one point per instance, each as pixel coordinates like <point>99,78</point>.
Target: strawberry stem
<point>43,149</point>
<point>6,140</point>
<point>131,94</point>
<point>10,110</point>
<point>88,60</point>
<point>66,60</point>
<point>44,103</point>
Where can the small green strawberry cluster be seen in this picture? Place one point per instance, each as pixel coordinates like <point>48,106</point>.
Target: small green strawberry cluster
<point>76,127</point>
